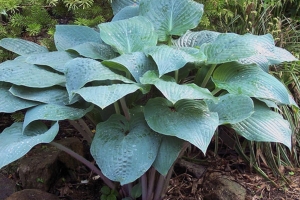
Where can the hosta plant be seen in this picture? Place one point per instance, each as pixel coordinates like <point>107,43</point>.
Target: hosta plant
<point>149,84</point>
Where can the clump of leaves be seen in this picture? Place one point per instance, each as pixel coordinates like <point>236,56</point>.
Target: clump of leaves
<point>147,93</point>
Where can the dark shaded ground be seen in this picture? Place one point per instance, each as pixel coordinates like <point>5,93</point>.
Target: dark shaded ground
<point>184,185</point>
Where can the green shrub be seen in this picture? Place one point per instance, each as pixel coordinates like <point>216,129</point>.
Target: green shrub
<point>148,94</point>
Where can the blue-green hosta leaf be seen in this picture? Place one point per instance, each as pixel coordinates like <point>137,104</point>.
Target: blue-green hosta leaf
<point>80,71</point>
<point>120,4</point>
<point>229,47</point>
<point>22,47</point>
<point>169,151</point>
<point>196,39</point>
<point>68,36</point>
<point>189,120</point>
<point>51,95</point>
<point>124,150</point>
<point>103,96</point>
<point>170,59</point>
<point>95,50</point>
<point>53,112</point>
<point>10,103</point>
<point>126,13</point>
<point>250,80</point>
<point>20,73</point>
<point>172,17</point>
<point>129,35</point>
<point>265,126</point>
<point>173,91</point>
<point>56,59</point>
<point>280,55</point>
<point>232,108</point>
<point>14,144</point>
<point>136,63</point>
<point>259,60</point>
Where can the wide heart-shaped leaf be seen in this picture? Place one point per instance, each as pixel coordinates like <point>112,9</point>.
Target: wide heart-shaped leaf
<point>52,95</point>
<point>22,47</point>
<point>189,120</point>
<point>129,35</point>
<point>170,59</point>
<point>103,96</point>
<point>14,144</point>
<point>196,39</point>
<point>95,50</point>
<point>117,6</point>
<point>171,17</point>
<point>173,91</point>
<point>56,59</point>
<point>265,126</point>
<point>10,103</point>
<point>232,108</point>
<point>124,150</point>
<point>53,112</point>
<point>169,151</point>
<point>68,36</point>
<point>136,63</point>
<point>20,73</point>
<point>80,71</point>
<point>250,80</point>
<point>229,47</point>
<point>126,13</point>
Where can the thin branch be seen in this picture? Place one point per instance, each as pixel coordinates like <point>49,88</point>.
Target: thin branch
<point>78,157</point>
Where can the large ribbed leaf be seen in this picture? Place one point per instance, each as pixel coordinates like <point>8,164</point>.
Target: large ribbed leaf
<point>126,12</point>
<point>20,73</point>
<point>232,108</point>
<point>53,112</point>
<point>83,70</point>
<point>136,63</point>
<point>265,126</point>
<point>129,35</point>
<point>229,47</point>
<point>169,151</point>
<point>22,47</point>
<point>14,144</point>
<point>68,36</point>
<point>281,55</point>
<point>51,95</point>
<point>124,150</point>
<point>56,59</point>
<point>189,120</point>
<point>120,4</point>
<point>103,96</point>
<point>95,50</point>
<point>196,39</point>
<point>259,60</point>
<point>172,17</point>
<point>170,59</point>
<point>10,103</point>
<point>173,91</point>
<point>250,80</point>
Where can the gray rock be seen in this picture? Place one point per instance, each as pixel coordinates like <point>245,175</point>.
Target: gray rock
<point>221,187</point>
<point>32,194</point>
<point>8,187</point>
<point>41,168</point>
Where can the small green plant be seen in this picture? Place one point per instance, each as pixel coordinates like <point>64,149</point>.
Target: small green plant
<point>39,180</point>
<point>148,94</point>
<point>108,194</point>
